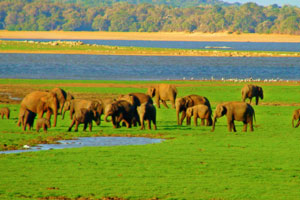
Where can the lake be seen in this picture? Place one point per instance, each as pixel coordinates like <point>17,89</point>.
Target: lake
<point>111,67</point>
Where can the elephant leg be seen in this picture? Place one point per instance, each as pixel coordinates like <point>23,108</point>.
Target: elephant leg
<point>245,126</point>
<point>142,124</point>
<point>233,126</point>
<point>297,123</point>
<point>188,120</point>
<point>195,121</point>
<point>149,123</point>
<point>251,125</point>
<point>157,101</point>
<point>182,117</point>
<point>173,103</point>
<point>85,126</point>
<point>72,124</point>
<point>128,124</point>
<point>229,125</point>
<point>76,126</point>
<point>250,100</point>
<point>90,126</point>
<point>202,122</point>
<point>164,103</point>
<point>256,101</point>
<point>154,124</point>
<point>45,128</point>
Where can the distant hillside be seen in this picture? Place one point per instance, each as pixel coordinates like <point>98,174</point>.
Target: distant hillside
<point>45,15</point>
<point>174,3</point>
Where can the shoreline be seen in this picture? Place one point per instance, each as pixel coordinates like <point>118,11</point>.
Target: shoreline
<point>153,36</point>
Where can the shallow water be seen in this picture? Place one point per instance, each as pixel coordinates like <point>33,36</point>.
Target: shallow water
<point>104,67</point>
<point>89,142</point>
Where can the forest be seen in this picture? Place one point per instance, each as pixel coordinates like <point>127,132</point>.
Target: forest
<point>147,16</point>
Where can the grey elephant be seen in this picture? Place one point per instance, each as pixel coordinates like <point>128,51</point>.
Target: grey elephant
<point>296,116</point>
<point>42,123</point>
<point>5,111</point>
<point>163,93</point>
<point>84,116</point>
<point>147,112</point>
<point>95,106</point>
<point>62,97</point>
<point>39,102</point>
<point>120,111</point>
<point>239,111</point>
<point>250,91</point>
<point>189,101</point>
<point>200,111</point>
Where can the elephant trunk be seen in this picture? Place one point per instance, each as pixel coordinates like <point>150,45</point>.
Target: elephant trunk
<point>177,113</point>
<point>293,125</point>
<point>106,116</point>
<point>213,124</point>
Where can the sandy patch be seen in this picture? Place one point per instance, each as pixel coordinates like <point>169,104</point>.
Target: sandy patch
<point>157,36</point>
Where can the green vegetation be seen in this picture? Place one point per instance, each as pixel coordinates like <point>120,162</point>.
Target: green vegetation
<point>80,48</point>
<point>147,16</point>
<point>192,163</point>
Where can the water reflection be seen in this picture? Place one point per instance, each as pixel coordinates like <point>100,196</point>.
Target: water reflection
<point>88,142</point>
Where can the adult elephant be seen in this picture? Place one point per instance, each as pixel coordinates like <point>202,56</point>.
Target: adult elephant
<point>136,99</point>
<point>62,97</point>
<point>189,101</point>
<point>120,111</point>
<point>250,91</point>
<point>163,93</point>
<point>39,102</point>
<point>296,116</point>
<point>95,106</point>
<point>239,111</point>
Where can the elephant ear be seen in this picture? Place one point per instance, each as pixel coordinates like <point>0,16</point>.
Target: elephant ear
<point>189,102</point>
<point>223,110</point>
<point>151,91</point>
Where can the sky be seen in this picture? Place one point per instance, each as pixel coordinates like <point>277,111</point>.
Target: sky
<point>268,2</point>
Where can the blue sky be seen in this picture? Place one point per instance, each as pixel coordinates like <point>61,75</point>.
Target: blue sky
<point>268,2</point>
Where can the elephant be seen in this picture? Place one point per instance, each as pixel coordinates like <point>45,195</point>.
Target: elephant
<point>84,116</point>
<point>5,111</point>
<point>39,102</point>
<point>200,111</point>
<point>163,93</point>
<point>29,119</point>
<point>120,111</point>
<point>42,123</point>
<point>250,91</point>
<point>62,97</point>
<point>239,111</point>
<point>136,99</point>
<point>296,116</point>
<point>189,101</point>
<point>95,106</point>
<point>147,112</point>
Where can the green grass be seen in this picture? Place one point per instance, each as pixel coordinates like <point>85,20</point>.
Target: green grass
<point>192,163</point>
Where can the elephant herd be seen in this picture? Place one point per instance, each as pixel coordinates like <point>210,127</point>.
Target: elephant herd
<point>134,108</point>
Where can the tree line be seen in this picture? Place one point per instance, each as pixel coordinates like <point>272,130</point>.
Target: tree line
<point>46,15</point>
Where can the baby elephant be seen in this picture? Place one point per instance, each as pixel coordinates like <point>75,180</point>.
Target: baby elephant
<point>5,111</point>
<point>85,116</point>
<point>296,116</point>
<point>42,123</point>
<point>200,111</point>
<point>147,112</point>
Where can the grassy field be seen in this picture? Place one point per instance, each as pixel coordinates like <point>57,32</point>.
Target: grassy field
<point>192,163</point>
<point>78,48</point>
